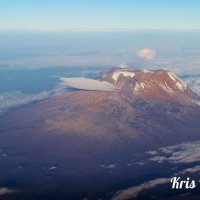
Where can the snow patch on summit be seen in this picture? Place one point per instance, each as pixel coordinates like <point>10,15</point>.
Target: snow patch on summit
<point>172,76</point>
<point>179,83</point>
<point>166,88</point>
<point>138,86</point>
<point>116,74</point>
<point>146,71</point>
<point>181,86</point>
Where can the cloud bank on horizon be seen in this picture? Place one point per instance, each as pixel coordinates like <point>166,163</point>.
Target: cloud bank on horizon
<point>147,50</point>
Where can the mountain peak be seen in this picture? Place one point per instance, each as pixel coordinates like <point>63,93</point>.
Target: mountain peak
<point>159,84</point>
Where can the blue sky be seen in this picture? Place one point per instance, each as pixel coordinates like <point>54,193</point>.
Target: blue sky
<point>59,15</point>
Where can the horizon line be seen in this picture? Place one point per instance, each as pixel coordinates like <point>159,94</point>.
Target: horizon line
<point>100,30</point>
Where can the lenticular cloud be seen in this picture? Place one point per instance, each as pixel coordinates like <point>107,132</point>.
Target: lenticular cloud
<point>88,84</point>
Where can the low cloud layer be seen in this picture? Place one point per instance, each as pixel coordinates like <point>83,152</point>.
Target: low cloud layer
<point>88,84</point>
<point>65,61</point>
<point>147,54</point>
<point>13,99</point>
<point>178,154</point>
<point>183,154</point>
<point>194,83</point>
<point>133,192</point>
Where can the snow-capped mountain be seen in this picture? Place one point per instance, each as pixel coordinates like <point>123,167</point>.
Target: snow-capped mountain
<point>157,84</point>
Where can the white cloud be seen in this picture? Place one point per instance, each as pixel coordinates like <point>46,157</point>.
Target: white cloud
<point>133,192</point>
<point>5,190</point>
<point>122,65</point>
<point>147,54</point>
<point>191,170</point>
<point>109,166</point>
<point>88,84</point>
<point>194,83</point>
<point>188,152</point>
